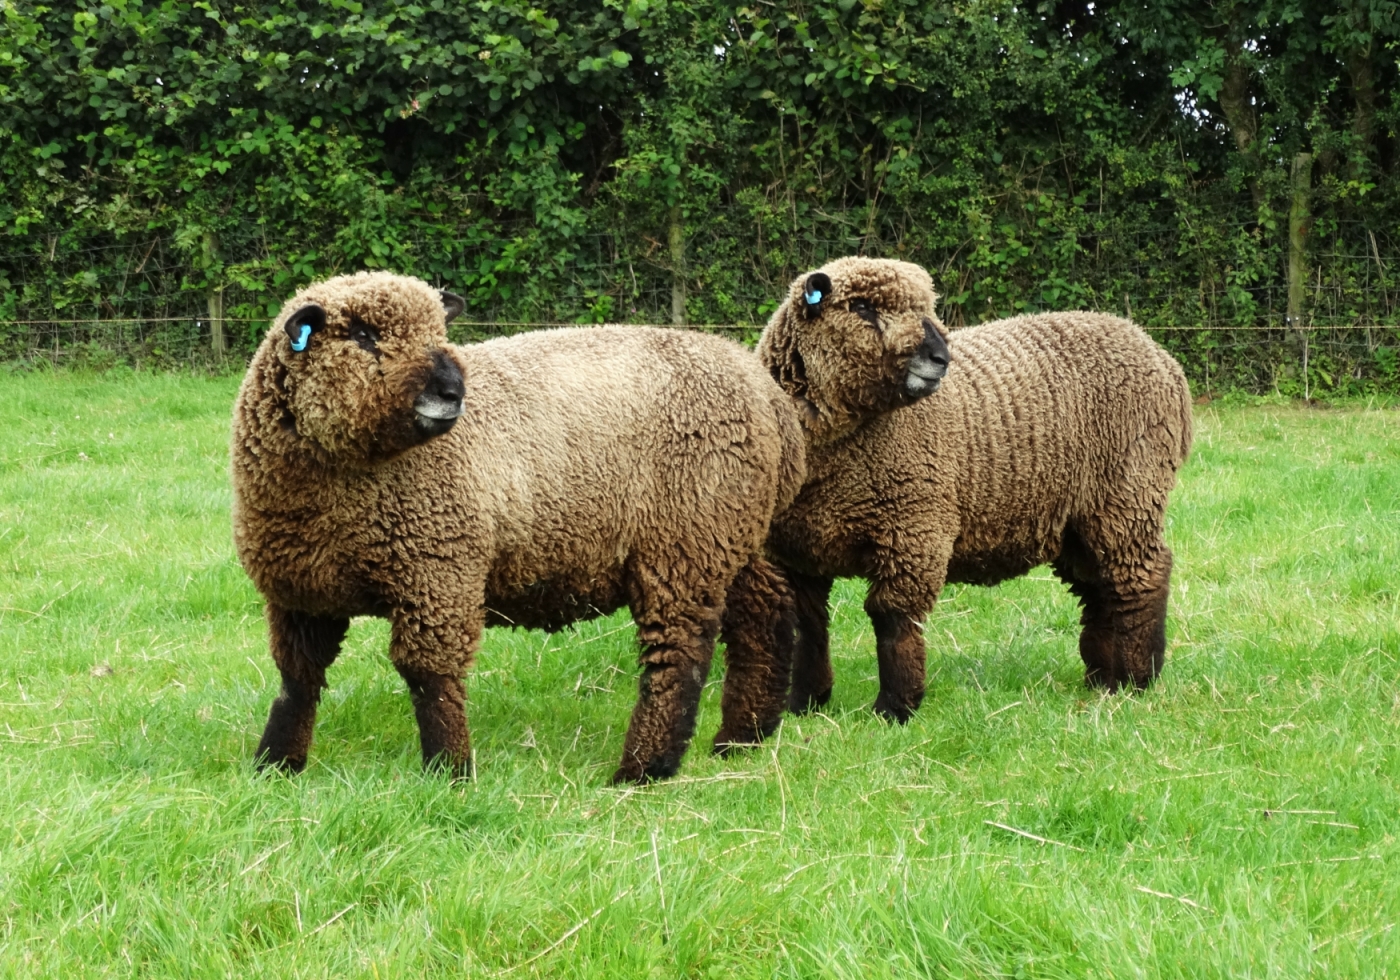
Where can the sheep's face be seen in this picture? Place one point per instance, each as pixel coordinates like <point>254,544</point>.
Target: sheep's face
<point>856,338</point>
<point>365,368</point>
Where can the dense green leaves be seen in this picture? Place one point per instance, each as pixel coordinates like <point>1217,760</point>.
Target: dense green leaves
<point>1120,155</point>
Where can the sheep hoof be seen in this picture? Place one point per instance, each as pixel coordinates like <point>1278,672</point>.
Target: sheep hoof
<point>802,703</point>
<point>458,770</point>
<point>891,710</point>
<point>657,769</point>
<point>285,766</point>
<point>1100,680</point>
<point>1113,685</point>
<point>625,774</point>
<point>728,744</point>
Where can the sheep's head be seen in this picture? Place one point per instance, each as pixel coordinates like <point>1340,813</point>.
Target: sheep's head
<point>856,338</point>
<point>362,367</point>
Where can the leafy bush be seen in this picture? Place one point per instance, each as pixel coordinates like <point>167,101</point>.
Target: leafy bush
<point>1129,157</point>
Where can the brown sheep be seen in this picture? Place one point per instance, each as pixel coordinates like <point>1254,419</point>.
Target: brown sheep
<point>1055,439</point>
<point>533,480</point>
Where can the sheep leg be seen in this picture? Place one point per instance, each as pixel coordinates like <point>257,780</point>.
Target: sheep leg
<point>664,719</point>
<point>899,648</point>
<point>1097,643</point>
<point>1136,618</point>
<point>1080,569</point>
<point>757,630</point>
<point>677,637</point>
<point>439,704</point>
<point>1124,599</point>
<point>432,656</point>
<point>812,676</point>
<point>303,646</point>
<point>1123,641</point>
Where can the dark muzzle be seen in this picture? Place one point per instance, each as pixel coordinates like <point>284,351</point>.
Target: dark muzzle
<point>439,405</point>
<point>928,365</point>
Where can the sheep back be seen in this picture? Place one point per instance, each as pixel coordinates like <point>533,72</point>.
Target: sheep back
<point>672,443</point>
<point>1041,418</point>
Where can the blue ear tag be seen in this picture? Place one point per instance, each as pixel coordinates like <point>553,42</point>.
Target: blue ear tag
<point>814,297</point>
<point>300,343</point>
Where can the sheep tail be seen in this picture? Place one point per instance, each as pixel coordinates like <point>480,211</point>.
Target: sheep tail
<point>1181,421</point>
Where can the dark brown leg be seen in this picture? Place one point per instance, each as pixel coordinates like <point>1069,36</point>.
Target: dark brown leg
<point>1140,622</point>
<point>758,627</point>
<point>1098,647</point>
<point>899,647</point>
<point>303,646</point>
<point>677,636</point>
<point>1123,641</point>
<point>812,676</point>
<point>664,718</point>
<point>439,704</point>
<point>1080,569</point>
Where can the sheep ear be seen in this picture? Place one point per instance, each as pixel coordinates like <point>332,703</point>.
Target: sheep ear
<point>303,323</point>
<point>815,291</point>
<point>777,348</point>
<point>452,304</point>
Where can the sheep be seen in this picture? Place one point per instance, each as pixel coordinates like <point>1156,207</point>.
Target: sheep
<point>533,480</point>
<point>1055,439</point>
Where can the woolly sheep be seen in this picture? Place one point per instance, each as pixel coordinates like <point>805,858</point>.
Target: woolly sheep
<point>533,480</point>
<point>1055,439</point>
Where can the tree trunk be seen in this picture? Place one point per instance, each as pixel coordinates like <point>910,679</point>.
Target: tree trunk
<point>676,239</point>
<point>1363,121</point>
<point>1240,117</point>
<point>1299,224</point>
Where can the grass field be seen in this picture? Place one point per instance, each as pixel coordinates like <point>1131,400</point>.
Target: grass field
<point>1240,819</point>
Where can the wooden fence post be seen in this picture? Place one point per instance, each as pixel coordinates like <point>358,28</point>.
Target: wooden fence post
<point>676,239</point>
<point>218,343</point>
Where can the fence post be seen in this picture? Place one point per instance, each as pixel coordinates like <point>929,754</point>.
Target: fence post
<point>1385,290</point>
<point>676,239</point>
<point>217,342</point>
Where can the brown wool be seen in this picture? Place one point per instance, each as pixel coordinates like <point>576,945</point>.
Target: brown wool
<point>590,469</point>
<point>1054,438</point>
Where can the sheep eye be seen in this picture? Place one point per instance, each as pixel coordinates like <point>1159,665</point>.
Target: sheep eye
<point>864,309</point>
<point>364,335</point>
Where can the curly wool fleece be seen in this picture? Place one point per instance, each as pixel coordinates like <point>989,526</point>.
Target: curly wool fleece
<point>590,469</point>
<point>1055,438</point>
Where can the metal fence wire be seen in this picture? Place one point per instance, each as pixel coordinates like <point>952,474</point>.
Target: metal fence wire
<point>145,302</point>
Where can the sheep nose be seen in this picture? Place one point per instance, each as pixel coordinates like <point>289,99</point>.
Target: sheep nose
<point>446,379</point>
<point>439,404</point>
<point>928,365</point>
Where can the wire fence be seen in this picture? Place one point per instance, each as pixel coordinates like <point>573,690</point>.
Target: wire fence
<point>1318,359</point>
<point>147,301</point>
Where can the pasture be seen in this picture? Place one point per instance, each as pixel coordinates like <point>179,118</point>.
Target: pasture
<point>1239,819</point>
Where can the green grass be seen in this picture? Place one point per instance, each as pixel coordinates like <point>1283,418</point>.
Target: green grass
<point>1240,819</point>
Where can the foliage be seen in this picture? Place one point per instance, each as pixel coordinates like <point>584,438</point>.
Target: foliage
<point>1112,155</point>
